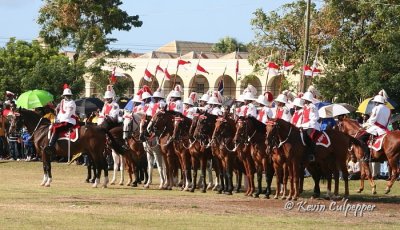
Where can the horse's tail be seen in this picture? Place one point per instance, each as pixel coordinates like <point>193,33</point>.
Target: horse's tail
<point>114,142</point>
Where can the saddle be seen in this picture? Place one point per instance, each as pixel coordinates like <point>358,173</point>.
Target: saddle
<point>319,138</point>
<point>376,143</point>
<point>73,132</point>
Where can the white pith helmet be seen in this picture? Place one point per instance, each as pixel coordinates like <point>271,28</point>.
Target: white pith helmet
<point>281,98</point>
<point>298,102</point>
<point>108,95</point>
<point>308,96</point>
<point>145,95</point>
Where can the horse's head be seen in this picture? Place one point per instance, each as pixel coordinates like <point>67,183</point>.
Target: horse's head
<point>160,121</point>
<point>349,126</point>
<point>193,125</point>
<point>205,125</point>
<point>271,132</point>
<point>224,127</point>
<point>181,127</point>
<point>109,123</point>
<point>242,131</point>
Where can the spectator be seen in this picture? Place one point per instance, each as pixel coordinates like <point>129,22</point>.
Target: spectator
<point>3,139</point>
<point>14,136</point>
<point>28,145</point>
<point>354,169</point>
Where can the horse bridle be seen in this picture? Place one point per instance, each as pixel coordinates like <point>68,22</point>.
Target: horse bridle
<point>274,133</point>
<point>249,137</point>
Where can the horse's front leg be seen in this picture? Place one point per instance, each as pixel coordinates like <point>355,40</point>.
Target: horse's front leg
<point>47,178</point>
<point>393,163</point>
<point>122,169</point>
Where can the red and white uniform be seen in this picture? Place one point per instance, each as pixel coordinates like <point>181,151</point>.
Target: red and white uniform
<point>297,118</point>
<point>110,109</point>
<point>189,112</point>
<point>283,113</point>
<point>379,120</point>
<point>264,113</point>
<point>153,108</point>
<point>176,106</point>
<point>310,117</point>
<point>66,111</point>
<point>248,110</point>
<point>138,109</point>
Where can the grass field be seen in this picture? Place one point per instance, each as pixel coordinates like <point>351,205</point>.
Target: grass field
<point>72,204</point>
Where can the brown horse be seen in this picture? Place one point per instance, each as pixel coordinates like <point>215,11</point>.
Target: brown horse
<point>250,133</point>
<point>92,140</point>
<point>222,146</point>
<point>198,153</point>
<point>390,149</point>
<point>328,159</point>
<point>162,126</point>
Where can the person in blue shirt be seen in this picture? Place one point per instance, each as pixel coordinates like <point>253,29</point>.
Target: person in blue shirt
<point>28,144</point>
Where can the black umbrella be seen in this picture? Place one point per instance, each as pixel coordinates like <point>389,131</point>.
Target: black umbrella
<point>88,105</point>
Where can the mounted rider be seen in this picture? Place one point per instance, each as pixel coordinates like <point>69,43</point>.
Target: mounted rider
<point>281,110</point>
<point>188,103</point>
<point>248,109</point>
<point>377,123</point>
<point>264,111</point>
<point>203,106</point>
<point>215,103</point>
<point>110,108</point>
<point>297,117</point>
<point>175,101</point>
<point>156,104</point>
<point>310,122</point>
<point>66,118</point>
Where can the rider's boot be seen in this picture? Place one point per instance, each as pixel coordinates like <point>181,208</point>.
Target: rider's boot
<point>311,152</point>
<point>50,149</point>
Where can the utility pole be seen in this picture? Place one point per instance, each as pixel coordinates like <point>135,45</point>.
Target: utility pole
<point>303,83</point>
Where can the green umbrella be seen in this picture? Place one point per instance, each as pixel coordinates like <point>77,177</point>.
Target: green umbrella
<point>34,98</point>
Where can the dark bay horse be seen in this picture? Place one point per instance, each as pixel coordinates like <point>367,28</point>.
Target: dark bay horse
<point>250,133</point>
<point>223,147</point>
<point>198,153</point>
<point>92,140</point>
<point>390,148</point>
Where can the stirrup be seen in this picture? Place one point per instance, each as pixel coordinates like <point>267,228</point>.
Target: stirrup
<point>311,158</point>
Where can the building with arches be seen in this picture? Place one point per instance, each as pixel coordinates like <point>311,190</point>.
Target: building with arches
<point>221,67</point>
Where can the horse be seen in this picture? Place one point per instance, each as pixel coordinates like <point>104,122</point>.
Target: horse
<point>250,134</point>
<point>153,153</point>
<point>162,126</point>
<point>390,150</point>
<point>92,140</point>
<point>222,145</point>
<point>328,159</point>
<point>198,153</point>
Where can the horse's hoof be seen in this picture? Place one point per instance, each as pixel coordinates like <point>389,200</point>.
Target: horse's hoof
<point>219,192</point>
<point>87,181</point>
<point>374,192</point>
<point>134,184</point>
<point>283,198</point>
<point>289,198</point>
<point>104,186</point>
<point>94,186</point>
<point>122,183</point>
<point>228,193</point>
<point>191,190</point>
<point>387,191</point>
<point>203,191</point>
<point>294,198</point>
<point>112,183</point>
<point>256,195</point>
<point>47,185</point>
<point>147,186</point>
<point>275,197</point>
<point>42,184</point>
<point>359,190</point>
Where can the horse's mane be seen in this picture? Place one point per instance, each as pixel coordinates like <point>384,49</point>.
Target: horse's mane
<point>352,121</point>
<point>281,121</point>
<point>258,125</point>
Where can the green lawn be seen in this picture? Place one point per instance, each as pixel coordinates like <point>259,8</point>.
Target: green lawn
<point>72,204</point>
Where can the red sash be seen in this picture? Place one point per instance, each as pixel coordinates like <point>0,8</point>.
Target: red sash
<point>145,107</point>
<point>260,115</point>
<point>107,109</point>
<point>185,112</point>
<point>172,106</point>
<point>154,109</point>
<point>245,111</point>
<point>296,117</point>
<point>237,110</point>
<point>380,126</point>
<point>306,115</point>
<point>279,113</point>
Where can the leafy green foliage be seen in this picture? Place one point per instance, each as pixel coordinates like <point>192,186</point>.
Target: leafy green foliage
<point>26,66</point>
<point>228,45</point>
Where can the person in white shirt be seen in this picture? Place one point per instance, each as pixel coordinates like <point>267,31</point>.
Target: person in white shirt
<point>188,109</point>
<point>248,109</point>
<point>156,104</point>
<point>264,111</point>
<point>175,103</point>
<point>66,117</point>
<point>353,167</point>
<point>376,124</point>
<point>310,122</point>
<point>215,106</point>
<point>110,108</point>
<point>297,117</point>
<point>281,110</point>
<point>203,106</point>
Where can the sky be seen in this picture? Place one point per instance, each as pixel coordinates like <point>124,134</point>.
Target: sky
<point>163,21</point>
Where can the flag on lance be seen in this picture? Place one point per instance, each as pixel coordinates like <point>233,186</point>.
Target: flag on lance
<point>287,66</point>
<point>308,71</point>
<point>147,75</point>
<point>167,75</point>
<point>201,69</point>
<point>273,69</point>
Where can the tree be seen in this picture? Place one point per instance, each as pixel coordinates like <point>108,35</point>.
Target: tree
<point>228,45</point>
<point>26,66</point>
<point>85,27</point>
